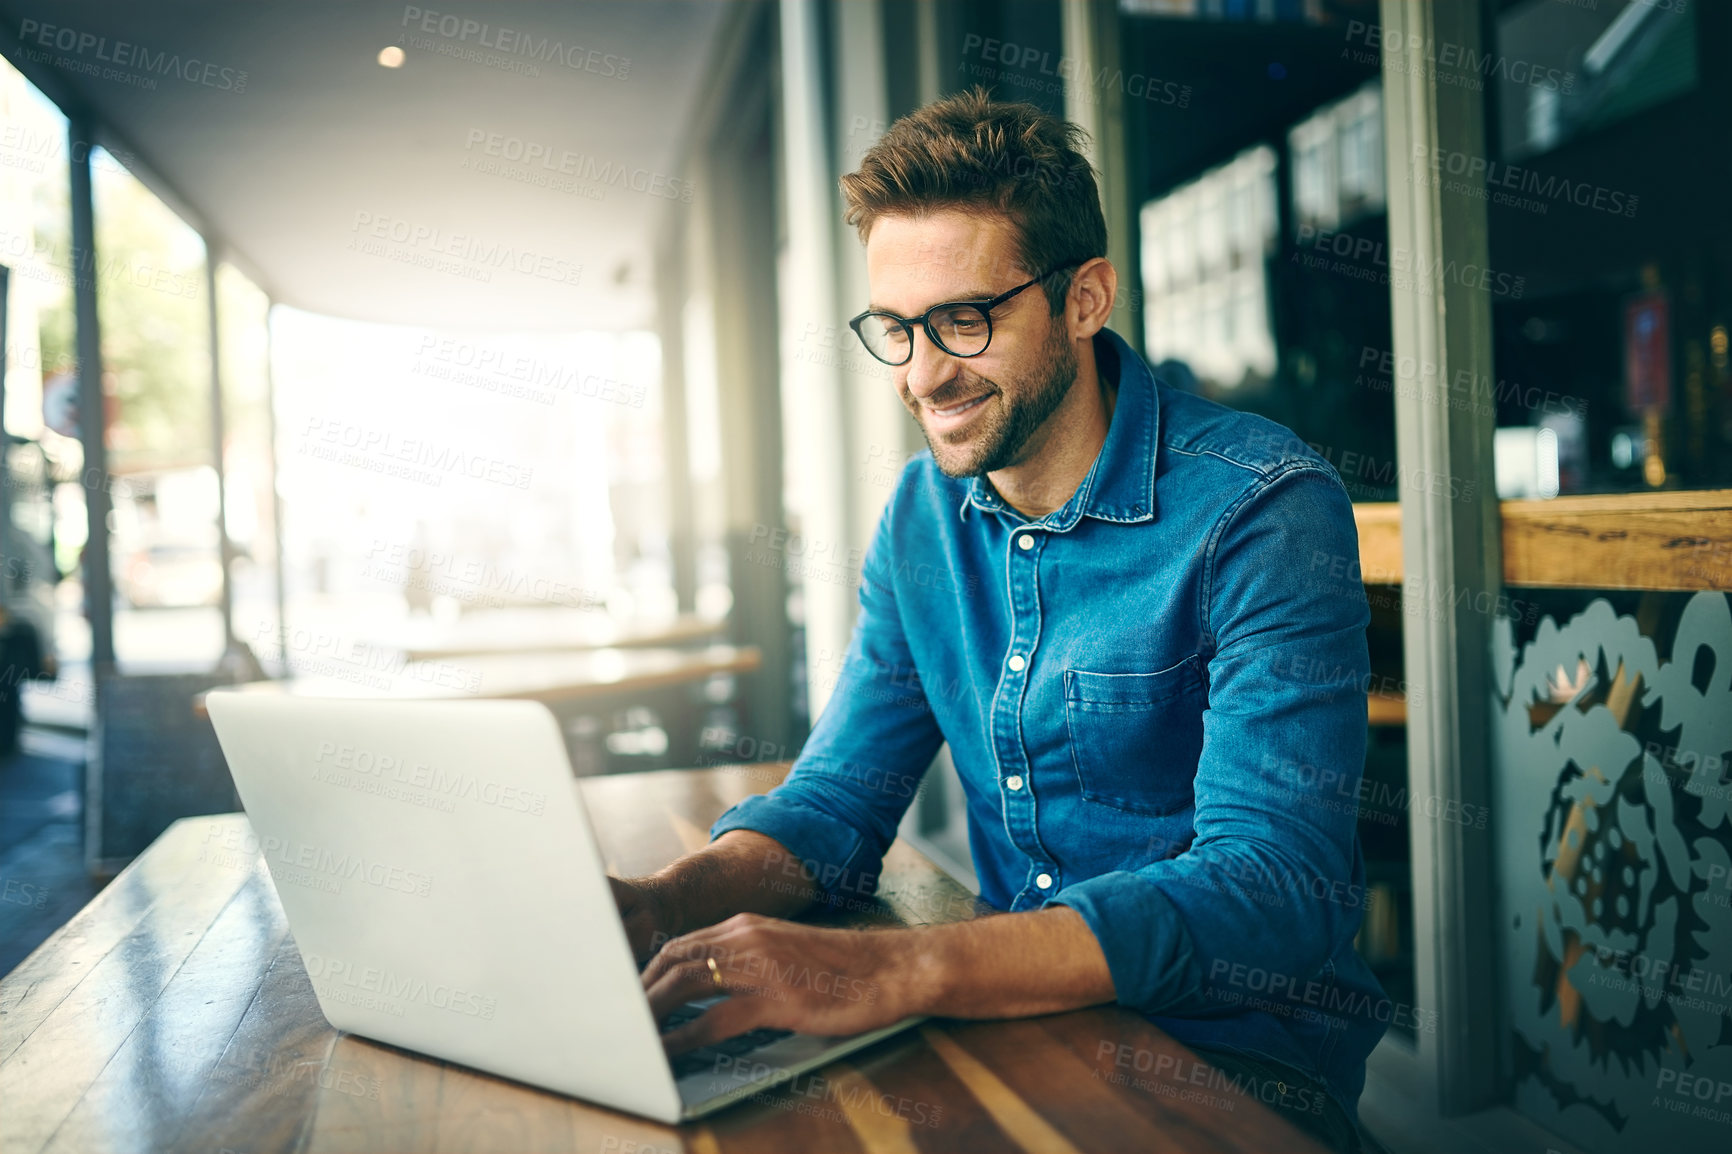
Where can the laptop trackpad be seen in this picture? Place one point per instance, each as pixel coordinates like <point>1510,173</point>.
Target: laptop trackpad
<point>713,1076</point>
<point>713,1073</point>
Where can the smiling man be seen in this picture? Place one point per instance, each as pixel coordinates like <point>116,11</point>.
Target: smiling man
<point>1157,716</point>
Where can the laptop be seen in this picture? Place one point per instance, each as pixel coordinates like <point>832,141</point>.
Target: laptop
<point>444,886</point>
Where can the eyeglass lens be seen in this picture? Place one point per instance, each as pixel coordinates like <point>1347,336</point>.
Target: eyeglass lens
<point>962,330</point>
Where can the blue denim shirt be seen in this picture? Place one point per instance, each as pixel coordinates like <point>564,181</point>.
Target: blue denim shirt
<point>1155,699</point>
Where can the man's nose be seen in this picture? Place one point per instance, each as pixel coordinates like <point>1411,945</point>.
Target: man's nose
<point>930,368</point>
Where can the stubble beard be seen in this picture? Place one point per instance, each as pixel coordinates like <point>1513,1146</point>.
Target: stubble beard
<point>1004,434</point>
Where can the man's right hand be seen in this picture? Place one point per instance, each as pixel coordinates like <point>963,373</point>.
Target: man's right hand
<point>645,911</point>
<point>742,871</point>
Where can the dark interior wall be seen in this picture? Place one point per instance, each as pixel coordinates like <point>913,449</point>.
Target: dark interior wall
<point>1015,48</point>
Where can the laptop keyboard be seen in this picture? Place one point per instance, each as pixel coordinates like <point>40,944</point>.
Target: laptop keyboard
<point>703,1059</point>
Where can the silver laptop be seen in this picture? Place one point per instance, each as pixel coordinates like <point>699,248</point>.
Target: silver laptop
<point>445,889</point>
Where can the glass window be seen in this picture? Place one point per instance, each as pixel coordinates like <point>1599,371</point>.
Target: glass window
<point>164,552</point>
<point>428,476</point>
<point>1566,70</point>
<point>44,524</point>
<point>1608,217</point>
<point>1611,791</point>
<point>1205,284</point>
<point>1604,185</point>
<point>243,324</point>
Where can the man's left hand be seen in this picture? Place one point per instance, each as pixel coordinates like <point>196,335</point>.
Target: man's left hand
<point>784,975</point>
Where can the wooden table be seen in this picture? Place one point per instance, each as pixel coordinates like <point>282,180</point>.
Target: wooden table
<point>556,678</point>
<point>173,1013</point>
<point>578,686</point>
<point>538,631</point>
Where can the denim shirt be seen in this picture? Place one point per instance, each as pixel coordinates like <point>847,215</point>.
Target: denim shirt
<point>1154,697</point>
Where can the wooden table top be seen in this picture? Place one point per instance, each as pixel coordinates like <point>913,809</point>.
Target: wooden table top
<point>549,677</point>
<point>174,1013</point>
<point>538,631</point>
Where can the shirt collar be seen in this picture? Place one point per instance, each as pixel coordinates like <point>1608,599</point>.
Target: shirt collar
<point>1120,486</point>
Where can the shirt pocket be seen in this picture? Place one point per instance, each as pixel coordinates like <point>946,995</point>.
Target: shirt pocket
<point>1135,737</point>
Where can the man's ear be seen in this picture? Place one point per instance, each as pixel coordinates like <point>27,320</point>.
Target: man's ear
<point>1089,304</point>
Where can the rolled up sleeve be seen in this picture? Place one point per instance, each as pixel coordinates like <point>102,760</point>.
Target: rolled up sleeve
<point>1271,876</point>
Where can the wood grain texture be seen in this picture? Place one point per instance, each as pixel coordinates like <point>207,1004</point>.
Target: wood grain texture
<point>1668,542</point>
<point>597,675</point>
<point>1379,542</point>
<point>549,677</point>
<point>539,630</point>
<point>1385,709</point>
<point>173,1013</point>
<point>1661,541</point>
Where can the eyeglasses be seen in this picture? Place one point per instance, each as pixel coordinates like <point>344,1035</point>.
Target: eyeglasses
<point>960,328</point>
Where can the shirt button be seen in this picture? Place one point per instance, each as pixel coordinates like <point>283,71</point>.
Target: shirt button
<point>1017,663</point>
<point>1044,881</point>
<point>1025,542</point>
<point>1013,782</point>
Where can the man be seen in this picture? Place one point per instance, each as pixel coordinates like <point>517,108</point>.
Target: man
<point>1158,717</point>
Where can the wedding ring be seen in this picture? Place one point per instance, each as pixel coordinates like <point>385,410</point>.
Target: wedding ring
<point>715,973</point>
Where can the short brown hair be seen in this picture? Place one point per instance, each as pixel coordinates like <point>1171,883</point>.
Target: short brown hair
<point>968,151</point>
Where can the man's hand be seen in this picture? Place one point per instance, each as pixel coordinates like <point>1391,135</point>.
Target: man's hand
<point>824,981</point>
<point>644,909</point>
<point>740,871</point>
<point>788,976</point>
<point>817,980</point>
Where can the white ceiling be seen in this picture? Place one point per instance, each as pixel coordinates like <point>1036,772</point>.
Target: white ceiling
<point>362,191</point>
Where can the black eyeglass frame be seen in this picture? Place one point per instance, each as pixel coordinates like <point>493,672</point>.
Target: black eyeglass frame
<point>924,320</point>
